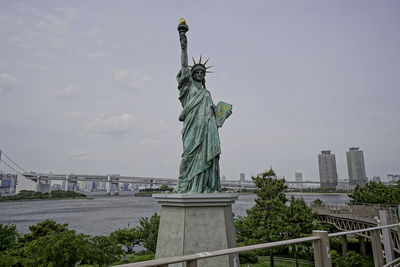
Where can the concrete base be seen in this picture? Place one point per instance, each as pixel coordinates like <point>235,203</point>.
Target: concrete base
<point>193,223</point>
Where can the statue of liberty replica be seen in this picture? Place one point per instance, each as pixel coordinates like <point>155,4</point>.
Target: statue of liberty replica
<point>194,219</point>
<point>199,168</point>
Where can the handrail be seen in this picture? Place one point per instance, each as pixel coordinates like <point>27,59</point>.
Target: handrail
<point>392,262</point>
<point>222,252</point>
<point>202,255</point>
<point>363,230</point>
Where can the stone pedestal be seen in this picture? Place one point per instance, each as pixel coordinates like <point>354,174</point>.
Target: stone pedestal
<point>193,223</point>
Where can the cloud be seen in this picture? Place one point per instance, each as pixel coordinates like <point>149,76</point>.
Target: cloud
<point>71,91</point>
<point>131,79</point>
<point>149,142</point>
<point>7,82</point>
<point>97,54</point>
<point>76,115</point>
<point>80,154</point>
<point>111,125</point>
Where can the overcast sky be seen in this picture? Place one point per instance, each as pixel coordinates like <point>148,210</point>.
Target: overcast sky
<point>89,86</point>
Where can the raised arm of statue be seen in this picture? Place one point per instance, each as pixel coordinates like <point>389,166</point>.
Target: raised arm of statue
<point>182,29</point>
<point>184,55</point>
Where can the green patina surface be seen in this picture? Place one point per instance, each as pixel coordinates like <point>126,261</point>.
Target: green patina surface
<point>199,168</point>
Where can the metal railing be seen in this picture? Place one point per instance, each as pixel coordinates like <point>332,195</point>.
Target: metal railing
<point>319,238</point>
<point>363,212</point>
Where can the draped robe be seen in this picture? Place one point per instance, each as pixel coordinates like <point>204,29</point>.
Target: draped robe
<point>199,167</point>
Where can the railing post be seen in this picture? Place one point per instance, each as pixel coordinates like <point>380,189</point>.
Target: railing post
<point>322,253</point>
<point>363,250</point>
<point>387,237</point>
<point>344,245</point>
<point>192,263</point>
<point>377,248</point>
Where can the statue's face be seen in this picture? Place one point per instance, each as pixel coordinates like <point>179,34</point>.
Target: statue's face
<point>198,75</point>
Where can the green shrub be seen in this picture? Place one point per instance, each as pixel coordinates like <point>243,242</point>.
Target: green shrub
<point>8,236</point>
<point>248,257</point>
<point>146,256</point>
<point>353,259</point>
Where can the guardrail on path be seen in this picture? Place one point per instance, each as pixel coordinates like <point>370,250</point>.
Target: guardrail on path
<point>319,238</point>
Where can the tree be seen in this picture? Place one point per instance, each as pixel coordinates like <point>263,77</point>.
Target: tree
<point>165,187</point>
<point>129,238</point>
<point>318,202</point>
<point>300,221</point>
<point>102,251</point>
<point>55,250</point>
<point>267,216</point>
<point>377,193</point>
<point>8,236</point>
<point>41,229</point>
<point>243,229</point>
<point>148,231</point>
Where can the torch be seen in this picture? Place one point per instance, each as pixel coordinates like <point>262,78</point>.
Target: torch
<point>182,27</point>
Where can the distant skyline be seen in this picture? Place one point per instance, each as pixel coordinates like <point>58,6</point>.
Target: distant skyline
<point>89,87</point>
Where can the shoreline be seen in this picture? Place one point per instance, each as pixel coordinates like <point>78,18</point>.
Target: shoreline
<point>39,199</point>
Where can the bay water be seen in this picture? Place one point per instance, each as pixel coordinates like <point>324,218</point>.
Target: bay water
<point>101,215</point>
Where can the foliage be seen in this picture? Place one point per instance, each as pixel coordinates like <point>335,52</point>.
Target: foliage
<point>336,258</point>
<point>377,193</point>
<point>29,194</point>
<point>47,227</point>
<point>353,259</point>
<point>148,231</point>
<point>248,257</point>
<point>270,219</point>
<point>165,187</point>
<point>267,217</point>
<point>143,256</point>
<point>318,202</point>
<point>102,251</point>
<point>65,194</point>
<point>129,238</point>
<point>52,244</point>
<point>318,190</point>
<point>8,236</point>
<point>7,260</point>
<point>57,249</point>
<point>300,223</point>
<point>243,228</point>
<point>335,243</point>
<point>162,188</point>
<point>300,218</point>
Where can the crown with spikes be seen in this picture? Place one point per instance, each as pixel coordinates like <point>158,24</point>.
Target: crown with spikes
<point>200,65</point>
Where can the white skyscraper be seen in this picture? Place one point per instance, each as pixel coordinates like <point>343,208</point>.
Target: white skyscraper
<point>327,169</point>
<point>356,166</point>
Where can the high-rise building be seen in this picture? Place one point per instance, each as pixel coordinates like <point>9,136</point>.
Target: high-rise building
<point>376,179</point>
<point>242,177</point>
<point>327,169</point>
<point>298,177</point>
<point>356,166</point>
